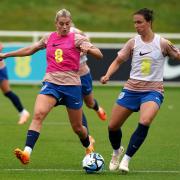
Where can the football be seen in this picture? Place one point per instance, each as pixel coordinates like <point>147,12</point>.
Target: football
<point>93,163</point>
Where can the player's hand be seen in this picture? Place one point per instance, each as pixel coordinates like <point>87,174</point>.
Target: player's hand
<point>2,56</point>
<point>104,79</point>
<point>84,48</point>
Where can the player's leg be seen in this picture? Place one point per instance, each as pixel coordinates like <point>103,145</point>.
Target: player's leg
<point>11,95</point>
<point>118,117</point>
<point>75,117</point>
<point>86,90</point>
<point>84,122</point>
<point>43,105</point>
<point>73,101</point>
<point>90,101</point>
<point>148,110</point>
<point>5,87</point>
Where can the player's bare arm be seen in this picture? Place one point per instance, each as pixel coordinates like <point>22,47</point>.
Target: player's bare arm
<point>94,51</point>
<point>26,51</point>
<point>122,56</point>
<point>112,69</point>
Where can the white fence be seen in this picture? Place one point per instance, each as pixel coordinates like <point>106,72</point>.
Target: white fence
<point>35,35</point>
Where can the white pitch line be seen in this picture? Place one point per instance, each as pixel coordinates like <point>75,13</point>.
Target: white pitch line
<point>157,171</point>
<point>44,170</point>
<point>76,170</point>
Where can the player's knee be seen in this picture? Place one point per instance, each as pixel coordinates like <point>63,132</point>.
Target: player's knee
<point>145,121</point>
<point>39,116</point>
<point>89,104</point>
<point>111,127</point>
<point>78,130</point>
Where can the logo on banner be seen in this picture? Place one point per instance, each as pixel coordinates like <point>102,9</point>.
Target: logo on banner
<point>170,71</point>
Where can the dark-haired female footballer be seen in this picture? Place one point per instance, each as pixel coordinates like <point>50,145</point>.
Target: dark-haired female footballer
<point>143,91</point>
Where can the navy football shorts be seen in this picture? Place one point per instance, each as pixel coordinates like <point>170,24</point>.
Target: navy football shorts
<point>86,83</point>
<point>3,74</point>
<point>70,95</point>
<point>133,99</point>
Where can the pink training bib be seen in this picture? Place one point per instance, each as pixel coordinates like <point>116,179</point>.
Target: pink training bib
<point>61,53</point>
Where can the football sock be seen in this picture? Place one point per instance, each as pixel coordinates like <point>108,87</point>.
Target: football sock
<point>31,139</point>
<point>96,106</point>
<point>126,158</point>
<point>15,100</point>
<point>85,142</point>
<point>137,139</point>
<point>115,138</point>
<point>116,152</point>
<point>28,149</point>
<point>84,122</point>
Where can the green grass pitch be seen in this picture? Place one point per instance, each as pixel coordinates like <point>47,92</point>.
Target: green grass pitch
<point>58,153</point>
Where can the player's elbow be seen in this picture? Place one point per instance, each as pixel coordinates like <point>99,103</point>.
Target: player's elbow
<point>178,56</point>
<point>96,53</point>
<point>100,56</point>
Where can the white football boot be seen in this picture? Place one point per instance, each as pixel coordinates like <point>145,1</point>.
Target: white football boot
<point>24,116</point>
<point>114,163</point>
<point>123,166</point>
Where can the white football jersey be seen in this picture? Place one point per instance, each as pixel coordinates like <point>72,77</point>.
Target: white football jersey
<point>147,60</point>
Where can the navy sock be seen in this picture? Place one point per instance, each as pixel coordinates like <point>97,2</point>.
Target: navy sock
<point>85,142</point>
<point>15,100</point>
<point>32,137</point>
<point>84,122</point>
<point>96,106</point>
<point>115,138</point>
<point>137,139</point>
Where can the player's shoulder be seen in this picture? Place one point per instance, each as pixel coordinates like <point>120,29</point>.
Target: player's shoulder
<point>130,43</point>
<point>46,36</point>
<point>80,37</point>
<point>165,42</point>
<point>75,30</point>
